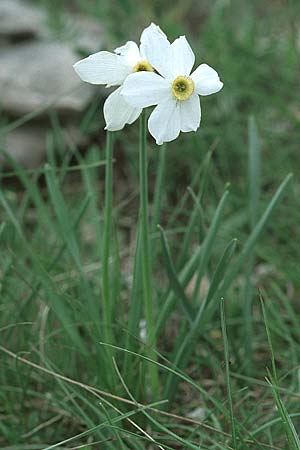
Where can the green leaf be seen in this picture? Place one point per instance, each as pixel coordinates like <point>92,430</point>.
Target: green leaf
<point>63,217</point>
<point>254,236</point>
<point>254,170</point>
<point>206,310</point>
<point>173,278</point>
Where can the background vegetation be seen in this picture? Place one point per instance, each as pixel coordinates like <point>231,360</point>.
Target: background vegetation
<point>230,217</point>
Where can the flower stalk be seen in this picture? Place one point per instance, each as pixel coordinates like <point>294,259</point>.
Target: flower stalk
<point>107,239</point>
<point>146,254</point>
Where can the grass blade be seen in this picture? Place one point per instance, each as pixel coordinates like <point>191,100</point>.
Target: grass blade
<point>208,244</point>
<point>173,278</point>
<point>63,217</point>
<point>287,424</point>
<point>227,369</point>
<point>208,307</point>
<point>254,169</point>
<point>254,236</point>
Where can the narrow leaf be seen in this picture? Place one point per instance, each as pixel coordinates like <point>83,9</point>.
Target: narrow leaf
<point>173,278</point>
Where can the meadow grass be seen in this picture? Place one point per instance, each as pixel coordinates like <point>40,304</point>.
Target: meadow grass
<point>219,366</point>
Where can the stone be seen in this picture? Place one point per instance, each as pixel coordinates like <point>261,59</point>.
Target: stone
<point>27,144</point>
<point>36,75</point>
<point>197,414</point>
<point>19,19</point>
<point>86,33</point>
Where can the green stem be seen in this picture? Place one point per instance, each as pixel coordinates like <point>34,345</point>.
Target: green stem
<point>107,239</point>
<point>158,194</point>
<point>146,256</point>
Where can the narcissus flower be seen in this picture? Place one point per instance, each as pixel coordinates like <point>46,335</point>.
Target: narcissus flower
<point>112,69</point>
<point>173,89</point>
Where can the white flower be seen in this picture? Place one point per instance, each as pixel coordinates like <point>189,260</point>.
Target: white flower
<point>113,68</point>
<point>174,90</point>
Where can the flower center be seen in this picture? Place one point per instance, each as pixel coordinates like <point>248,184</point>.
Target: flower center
<point>182,88</point>
<point>143,66</point>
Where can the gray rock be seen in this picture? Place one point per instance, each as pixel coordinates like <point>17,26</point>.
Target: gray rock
<point>21,19</point>
<point>87,34</point>
<point>27,144</point>
<point>35,75</point>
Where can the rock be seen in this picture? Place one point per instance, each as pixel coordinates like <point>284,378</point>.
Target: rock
<point>27,144</point>
<point>22,20</point>
<point>35,75</point>
<point>19,19</point>
<point>197,414</point>
<point>90,38</point>
<point>86,33</point>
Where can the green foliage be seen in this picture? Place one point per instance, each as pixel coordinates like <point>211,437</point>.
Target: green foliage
<point>76,371</point>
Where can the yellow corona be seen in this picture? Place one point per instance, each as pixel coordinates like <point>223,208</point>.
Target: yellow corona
<point>143,66</point>
<point>183,88</point>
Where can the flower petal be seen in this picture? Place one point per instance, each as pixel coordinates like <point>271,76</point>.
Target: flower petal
<point>103,68</point>
<point>164,122</point>
<point>206,80</point>
<point>190,114</point>
<point>117,112</point>
<point>142,89</point>
<point>130,52</point>
<point>183,57</point>
<point>156,49</point>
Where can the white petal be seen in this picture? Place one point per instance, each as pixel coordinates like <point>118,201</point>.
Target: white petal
<point>206,80</point>
<point>164,122</point>
<point>135,114</point>
<point>117,112</point>
<point>142,89</point>
<point>183,57</point>
<point>156,49</point>
<point>130,52</point>
<point>103,68</point>
<point>190,114</point>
